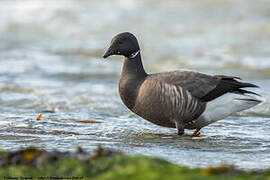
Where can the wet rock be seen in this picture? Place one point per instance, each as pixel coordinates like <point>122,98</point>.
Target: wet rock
<point>35,157</point>
<point>222,169</point>
<point>101,152</point>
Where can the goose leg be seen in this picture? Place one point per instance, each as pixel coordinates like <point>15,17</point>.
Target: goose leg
<point>196,132</point>
<point>180,128</point>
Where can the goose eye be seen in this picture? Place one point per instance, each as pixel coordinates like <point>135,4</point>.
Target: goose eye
<point>120,42</point>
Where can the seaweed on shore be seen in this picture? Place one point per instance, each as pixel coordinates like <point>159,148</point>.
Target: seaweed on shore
<point>35,157</point>
<point>107,164</point>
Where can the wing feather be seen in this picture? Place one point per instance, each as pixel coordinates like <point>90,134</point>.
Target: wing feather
<point>202,86</point>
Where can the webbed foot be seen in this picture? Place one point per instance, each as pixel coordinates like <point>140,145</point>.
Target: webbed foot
<point>180,132</point>
<point>196,133</point>
<point>180,128</point>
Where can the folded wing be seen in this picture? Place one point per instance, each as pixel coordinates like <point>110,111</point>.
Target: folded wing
<point>206,87</point>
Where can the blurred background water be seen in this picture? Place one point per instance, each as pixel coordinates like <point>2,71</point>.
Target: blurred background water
<point>50,63</point>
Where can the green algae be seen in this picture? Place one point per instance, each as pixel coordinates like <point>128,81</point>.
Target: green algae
<point>123,167</point>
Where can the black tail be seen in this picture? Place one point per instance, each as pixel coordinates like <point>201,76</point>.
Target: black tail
<point>242,91</point>
<point>228,84</point>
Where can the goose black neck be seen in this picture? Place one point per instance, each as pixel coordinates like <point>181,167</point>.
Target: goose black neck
<point>134,67</point>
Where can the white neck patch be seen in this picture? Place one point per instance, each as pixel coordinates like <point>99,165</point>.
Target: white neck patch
<point>133,55</point>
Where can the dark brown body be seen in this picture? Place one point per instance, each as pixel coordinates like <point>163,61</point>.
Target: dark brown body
<point>153,97</point>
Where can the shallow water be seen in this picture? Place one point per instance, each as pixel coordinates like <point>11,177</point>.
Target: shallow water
<point>50,63</point>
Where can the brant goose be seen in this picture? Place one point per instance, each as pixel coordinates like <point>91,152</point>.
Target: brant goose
<point>177,99</point>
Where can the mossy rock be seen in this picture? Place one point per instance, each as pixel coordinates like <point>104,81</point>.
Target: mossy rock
<point>123,167</point>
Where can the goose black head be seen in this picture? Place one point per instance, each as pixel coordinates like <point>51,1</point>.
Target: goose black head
<point>124,44</point>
